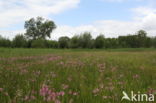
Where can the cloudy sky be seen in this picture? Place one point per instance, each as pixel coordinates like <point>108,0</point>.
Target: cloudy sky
<point>109,17</point>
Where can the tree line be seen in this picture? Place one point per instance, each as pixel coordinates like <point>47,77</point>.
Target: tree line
<point>38,30</point>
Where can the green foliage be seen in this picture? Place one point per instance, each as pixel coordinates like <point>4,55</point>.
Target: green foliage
<point>138,40</point>
<point>99,41</point>
<point>39,28</point>
<point>38,43</point>
<point>51,44</point>
<point>4,42</point>
<point>85,40</point>
<point>64,42</point>
<point>153,42</point>
<point>142,34</point>
<point>111,43</point>
<point>148,42</point>
<point>142,37</point>
<point>19,41</point>
<point>75,42</point>
<point>129,41</point>
<point>83,75</point>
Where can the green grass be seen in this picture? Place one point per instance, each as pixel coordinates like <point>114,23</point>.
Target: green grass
<point>83,75</point>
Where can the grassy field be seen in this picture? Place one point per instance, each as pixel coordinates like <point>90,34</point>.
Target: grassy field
<point>75,76</point>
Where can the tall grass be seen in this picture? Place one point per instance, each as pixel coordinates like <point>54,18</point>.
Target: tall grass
<point>74,76</point>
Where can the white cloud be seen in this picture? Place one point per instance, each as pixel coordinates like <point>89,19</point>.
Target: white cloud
<point>143,11</point>
<point>110,28</point>
<point>147,17</point>
<point>15,11</point>
<point>144,18</point>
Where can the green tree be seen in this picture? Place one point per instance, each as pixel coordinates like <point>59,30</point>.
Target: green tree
<point>111,43</point>
<point>4,42</point>
<point>142,33</point>
<point>85,40</point>
<point>19,41</point>
<point>39,28</point>
<point>99,41</point>
<point>38,43</point>
<point>142,37</point>
<point>129,41</point>
<point>64,42</point>
<point>74,42</point>
<point>153,42</point>
<point>51,44</point>
<point>148,42</point>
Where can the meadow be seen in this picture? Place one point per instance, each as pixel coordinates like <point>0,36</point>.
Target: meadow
<point>75,76</point>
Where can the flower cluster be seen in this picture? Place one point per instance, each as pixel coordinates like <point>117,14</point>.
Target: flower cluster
<point>50,95</point>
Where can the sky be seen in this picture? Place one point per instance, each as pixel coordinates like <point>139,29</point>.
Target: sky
<point>109,17</point>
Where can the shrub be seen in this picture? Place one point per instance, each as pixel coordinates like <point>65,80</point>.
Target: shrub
<point>85,40</point>
<point>99,41</point>
<point>74,42</point>
<point>38,43</point>
<point>4,42</point>
<point>64,42</point>
<point>19,41</point>
<point>153,42</point>
<point>51,44</point>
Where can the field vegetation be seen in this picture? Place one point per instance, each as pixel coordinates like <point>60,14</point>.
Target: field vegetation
<point>75,75</point>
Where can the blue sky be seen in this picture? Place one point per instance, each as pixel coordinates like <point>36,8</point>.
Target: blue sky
<point>94,10</point>
<point>110,17</point>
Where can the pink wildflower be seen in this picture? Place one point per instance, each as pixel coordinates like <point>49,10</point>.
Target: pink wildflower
<point>1,89</point>
<point>96,90</point>
<point>135,76</point>
<point>75,93</point>
<point>64,86</point>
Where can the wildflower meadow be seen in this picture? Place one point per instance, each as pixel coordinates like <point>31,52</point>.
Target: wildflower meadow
<point>75,76</point>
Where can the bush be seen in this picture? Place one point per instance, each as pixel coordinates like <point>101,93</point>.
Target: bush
<point>5,42</point>
<point>64,42</point>
<point>38,43</point>
<point>51,44</point>
<point>153,42</point>
<point>19,41</point>
<point>74,42</point>
<point>85,40</point>
<point>111,43</point>
<point>99,41</point>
